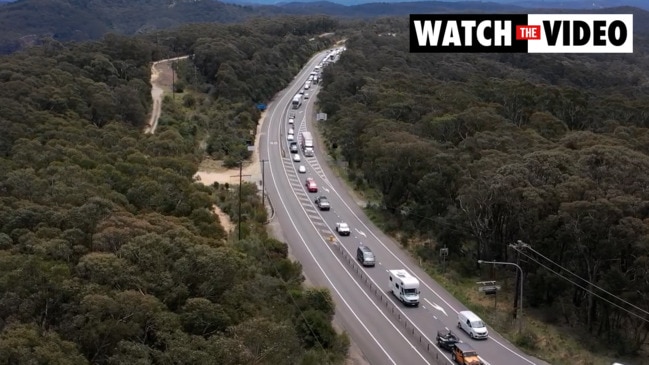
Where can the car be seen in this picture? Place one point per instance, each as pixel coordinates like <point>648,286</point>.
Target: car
<point>447,340</point>
<point>293,147</point>
<point>290,137</point>
<point>306,95</point>
<point>311,186</point>
<point>365,256</point>
<point>343,229</point>
<point>301,169</point>
<point>322,203</point>
<point>301,92</point>
<point>291,120</point>
<point>296,157</point>
<point>465,355</point>
<point>291,131</point>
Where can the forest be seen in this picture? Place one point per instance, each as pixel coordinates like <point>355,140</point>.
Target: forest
<point>27,22</point>
<point>474,152</point>
<point>109,250</point>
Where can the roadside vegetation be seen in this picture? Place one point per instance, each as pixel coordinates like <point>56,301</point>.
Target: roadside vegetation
<point>109,251</point>
<point>475,152</point>
<point>233,68</point>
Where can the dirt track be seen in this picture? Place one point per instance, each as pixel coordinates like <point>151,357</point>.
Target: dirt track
<point>161,82</point>
<point>212,171</point>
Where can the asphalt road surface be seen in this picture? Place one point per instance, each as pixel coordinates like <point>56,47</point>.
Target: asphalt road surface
<point>384,330</point>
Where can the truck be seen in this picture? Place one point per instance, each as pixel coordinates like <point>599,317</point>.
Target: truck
<point>306,142</point>
<point>297,101</point>
<point>405,287</point>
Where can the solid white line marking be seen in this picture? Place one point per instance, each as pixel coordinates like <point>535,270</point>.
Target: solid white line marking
<point>416,276</point>
<point>396,305</point>
<point>340,263</point>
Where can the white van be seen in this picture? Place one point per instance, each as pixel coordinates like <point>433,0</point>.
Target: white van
<point>470,323</point>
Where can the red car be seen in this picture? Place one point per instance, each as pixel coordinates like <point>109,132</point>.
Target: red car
<point>311,185</point>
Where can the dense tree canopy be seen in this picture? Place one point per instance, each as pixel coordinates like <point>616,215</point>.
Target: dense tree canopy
<point>231,69</point>
<point>109,251</point>
<point>480,151</point>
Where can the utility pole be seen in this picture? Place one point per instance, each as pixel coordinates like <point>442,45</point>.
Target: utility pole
<point>240,193</point>
<point>240,197</point>
<point>193,60</point>
<point>263,183</point>
<point>520,292</point>
<point>519,278</point>
<point>173,81</point>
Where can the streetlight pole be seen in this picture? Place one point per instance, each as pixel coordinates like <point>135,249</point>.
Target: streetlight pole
<point>520,299</point>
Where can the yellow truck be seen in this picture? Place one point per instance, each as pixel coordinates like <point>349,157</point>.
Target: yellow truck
<point>464,354</point>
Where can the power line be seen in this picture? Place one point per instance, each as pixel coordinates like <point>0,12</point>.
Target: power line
<point>581,287</point>
<point>590,283</point>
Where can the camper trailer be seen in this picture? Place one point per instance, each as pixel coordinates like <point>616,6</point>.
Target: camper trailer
<point>405,287</point>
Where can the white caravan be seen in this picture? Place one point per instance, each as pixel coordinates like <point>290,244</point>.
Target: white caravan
<point>405,287</point>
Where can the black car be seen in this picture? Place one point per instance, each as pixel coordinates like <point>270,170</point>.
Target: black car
<point>447,340</point>
<point>293,147</point>
<point>322,203</point>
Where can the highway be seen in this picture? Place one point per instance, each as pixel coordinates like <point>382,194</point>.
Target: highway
<point>385,330</point>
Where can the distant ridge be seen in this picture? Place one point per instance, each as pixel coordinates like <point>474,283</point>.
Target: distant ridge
<point>578,4</point>
<point>534,4</point>
<point>401,8</point>
<point>25,22</point>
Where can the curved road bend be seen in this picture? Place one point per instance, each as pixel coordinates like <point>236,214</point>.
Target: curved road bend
<point>374,327</point>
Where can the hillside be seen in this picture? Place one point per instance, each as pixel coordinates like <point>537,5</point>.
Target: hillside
<point>370,10</point>
<point>109,250</point>
<point>26,21</point>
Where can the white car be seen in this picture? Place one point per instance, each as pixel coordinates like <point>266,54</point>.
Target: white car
<point>301,92</point>
<point>306,95</point>
<point>291,131</point>
<point>291,121</point>
<point>343,229</point>
<point>290,137</point>
<point>301,169</point>
<point>296,157</point>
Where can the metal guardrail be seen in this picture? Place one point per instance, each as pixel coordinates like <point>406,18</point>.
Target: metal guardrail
<point>430,348</point>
